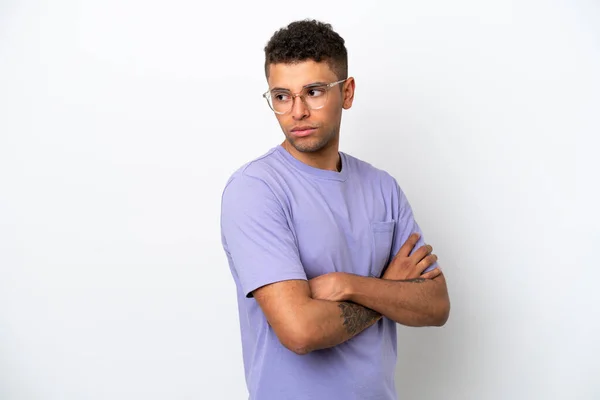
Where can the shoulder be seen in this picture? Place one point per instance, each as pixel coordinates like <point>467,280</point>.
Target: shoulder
<point>249,199</point>
<point>380,182</point>
<point>368,172</point>
<point>252,180</point>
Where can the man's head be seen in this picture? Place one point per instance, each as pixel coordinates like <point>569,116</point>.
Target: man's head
<point>310,59</point>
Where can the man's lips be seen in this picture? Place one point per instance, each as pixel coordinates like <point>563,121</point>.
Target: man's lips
<point>302,131</point>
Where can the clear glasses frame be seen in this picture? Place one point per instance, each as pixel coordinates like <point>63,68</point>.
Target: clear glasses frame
<point>268,96</point>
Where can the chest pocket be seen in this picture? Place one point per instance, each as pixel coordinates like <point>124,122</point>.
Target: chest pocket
<point>383,235</point>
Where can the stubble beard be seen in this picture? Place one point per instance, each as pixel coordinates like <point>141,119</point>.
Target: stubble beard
<point>310,144</point>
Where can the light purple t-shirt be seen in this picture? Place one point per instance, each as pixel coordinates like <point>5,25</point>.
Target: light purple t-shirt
<point>282,219</point>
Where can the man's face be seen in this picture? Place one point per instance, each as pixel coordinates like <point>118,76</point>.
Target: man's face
<point>309,130</point>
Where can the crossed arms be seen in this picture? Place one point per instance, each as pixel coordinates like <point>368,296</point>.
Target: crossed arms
<point>332,308</point>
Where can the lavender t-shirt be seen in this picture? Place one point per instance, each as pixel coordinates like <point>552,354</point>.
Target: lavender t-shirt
<point>282,219</point>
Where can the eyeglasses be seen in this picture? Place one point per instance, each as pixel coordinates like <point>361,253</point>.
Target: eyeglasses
<point>314,96</point>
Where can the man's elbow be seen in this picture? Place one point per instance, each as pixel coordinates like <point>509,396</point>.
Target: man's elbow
<point>296,338</point>
<point>299,346</point>
<point>441,314</point>
<point>441,303</point>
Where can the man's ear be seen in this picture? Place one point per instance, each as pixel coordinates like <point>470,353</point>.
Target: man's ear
<point>348,93</point>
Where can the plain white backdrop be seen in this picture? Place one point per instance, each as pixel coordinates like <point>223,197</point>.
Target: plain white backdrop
<point>120,122</point>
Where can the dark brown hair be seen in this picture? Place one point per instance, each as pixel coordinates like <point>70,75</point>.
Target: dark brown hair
<point>308,40</point>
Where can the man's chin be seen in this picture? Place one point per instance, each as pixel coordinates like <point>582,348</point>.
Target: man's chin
<point>307,146</point>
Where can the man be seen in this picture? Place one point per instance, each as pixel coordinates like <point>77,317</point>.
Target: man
<point>324,249</point>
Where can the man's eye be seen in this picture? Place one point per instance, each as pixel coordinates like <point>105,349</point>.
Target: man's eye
<point>315,92</point>
<point>281,96</point>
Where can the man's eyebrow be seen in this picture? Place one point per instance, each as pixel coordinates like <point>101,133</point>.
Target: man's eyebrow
<point>315,84</point>
<point>303,87</point>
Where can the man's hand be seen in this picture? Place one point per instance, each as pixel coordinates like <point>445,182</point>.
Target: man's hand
<point>405,267</point>
<point>332,286</point>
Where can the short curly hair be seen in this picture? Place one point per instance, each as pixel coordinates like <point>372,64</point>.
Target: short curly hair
<point>308,40</point>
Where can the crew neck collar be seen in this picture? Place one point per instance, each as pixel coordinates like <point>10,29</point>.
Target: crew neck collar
<point>318,172</point>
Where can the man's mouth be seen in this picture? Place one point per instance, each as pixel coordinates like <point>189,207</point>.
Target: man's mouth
<point>302,131</point>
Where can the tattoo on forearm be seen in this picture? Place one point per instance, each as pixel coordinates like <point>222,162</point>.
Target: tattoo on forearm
<point>415,280</point>
<point>357,317</point>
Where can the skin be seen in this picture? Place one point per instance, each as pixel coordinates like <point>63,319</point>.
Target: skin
<point>333,308</point>
<point>320,149</point>
<point>404,294</point>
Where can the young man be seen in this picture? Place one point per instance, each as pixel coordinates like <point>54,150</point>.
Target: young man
<point>324,249</point>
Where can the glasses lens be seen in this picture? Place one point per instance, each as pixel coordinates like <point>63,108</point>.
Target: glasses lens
<point>315,96</point>
<point>280,101</point>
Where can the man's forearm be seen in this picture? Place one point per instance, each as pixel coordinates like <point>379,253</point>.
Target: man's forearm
<point>414,302</point>
<point>331,323</point>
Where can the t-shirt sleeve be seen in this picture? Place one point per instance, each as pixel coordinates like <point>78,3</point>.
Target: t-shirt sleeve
<point>257,236</point>
<point>406,226</point>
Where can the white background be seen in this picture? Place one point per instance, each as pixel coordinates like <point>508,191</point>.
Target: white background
<point>120,122</point>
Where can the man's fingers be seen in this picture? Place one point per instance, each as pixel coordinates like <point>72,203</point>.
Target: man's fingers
<point>408,245</point>
<point>427,262</point>
<point>432,274</point>
<point>421,253</point>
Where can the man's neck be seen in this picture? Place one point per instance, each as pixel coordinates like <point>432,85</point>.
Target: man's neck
<point>327,158</point>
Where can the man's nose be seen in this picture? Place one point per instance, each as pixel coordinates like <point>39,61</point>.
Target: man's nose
<point>299,108</point>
